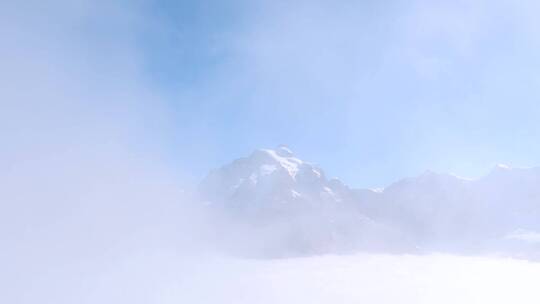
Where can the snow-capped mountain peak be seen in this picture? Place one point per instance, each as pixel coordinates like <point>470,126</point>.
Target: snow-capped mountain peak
<point>275,186</point>
<point>269,178</point>
<point>281,157</point>
<point>284,151</point>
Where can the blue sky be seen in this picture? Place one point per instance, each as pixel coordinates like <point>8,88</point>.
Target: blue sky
<point>372,91</point>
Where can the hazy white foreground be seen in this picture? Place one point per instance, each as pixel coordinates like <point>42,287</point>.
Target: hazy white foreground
<point>361,279</point>
<point>351,279</point>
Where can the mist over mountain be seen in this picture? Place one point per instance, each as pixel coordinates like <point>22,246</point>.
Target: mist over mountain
<point>292,207</point>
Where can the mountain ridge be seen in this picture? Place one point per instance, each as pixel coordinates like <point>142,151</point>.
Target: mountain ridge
<point>439,211</point>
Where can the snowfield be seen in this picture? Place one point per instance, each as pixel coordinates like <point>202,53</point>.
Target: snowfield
<point>361,278</point>
<point>167,278</point>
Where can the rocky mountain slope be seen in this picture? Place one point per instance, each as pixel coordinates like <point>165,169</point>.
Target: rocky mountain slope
<point>294,202</point>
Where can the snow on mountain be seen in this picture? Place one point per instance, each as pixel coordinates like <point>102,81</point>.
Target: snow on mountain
<point>272,181</point>
<point>446,212</point>
<point>432,211</point>
<point>285,202</point>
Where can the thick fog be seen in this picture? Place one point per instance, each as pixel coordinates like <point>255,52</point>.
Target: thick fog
<point>84,188</point>
<point>93,210</point>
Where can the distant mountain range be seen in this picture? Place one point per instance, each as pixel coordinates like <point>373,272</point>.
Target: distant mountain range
<point>289,205</point>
